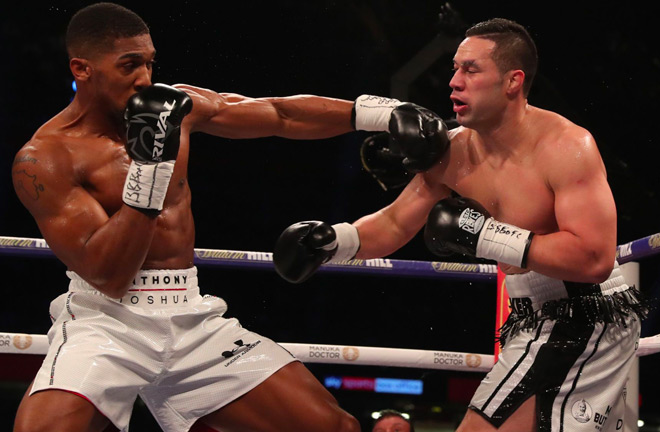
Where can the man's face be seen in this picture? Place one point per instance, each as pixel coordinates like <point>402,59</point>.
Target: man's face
<point>582,407</point>
<point>123,70</point>
<point>391,424</point>
<point>478,87</point>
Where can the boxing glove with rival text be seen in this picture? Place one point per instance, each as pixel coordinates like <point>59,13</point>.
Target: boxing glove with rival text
<point>153,119</point>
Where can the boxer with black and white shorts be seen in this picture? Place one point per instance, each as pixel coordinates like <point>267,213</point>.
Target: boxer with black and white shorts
<point>524,187</point>
<point>559,341</point>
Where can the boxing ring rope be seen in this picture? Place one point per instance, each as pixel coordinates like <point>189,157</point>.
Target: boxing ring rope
<point>632,251</point>
<point>17,343</point>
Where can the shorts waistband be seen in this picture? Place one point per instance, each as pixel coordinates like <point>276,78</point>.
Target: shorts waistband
<point>535,297</point>
<point>538,289</point>
<point>150,288</point>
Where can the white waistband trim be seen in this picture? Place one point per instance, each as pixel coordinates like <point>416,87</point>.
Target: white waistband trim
<point>156,288</point>
<point>540,288</point>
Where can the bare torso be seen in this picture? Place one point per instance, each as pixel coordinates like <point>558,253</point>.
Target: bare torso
<point>545,175</point>
<point>71,174</point>
<point>99,165</point>
<point>515,187</point>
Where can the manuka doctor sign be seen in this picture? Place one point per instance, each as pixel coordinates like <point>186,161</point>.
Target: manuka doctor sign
<point>324,352</point>
<point>5,340</point>
<point>447,358</point>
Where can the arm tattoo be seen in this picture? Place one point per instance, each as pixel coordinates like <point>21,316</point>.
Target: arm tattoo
<point>24,159</point>
<point>28,183</point>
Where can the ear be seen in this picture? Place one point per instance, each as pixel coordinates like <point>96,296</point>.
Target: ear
<point>80,69</point>
<point>516,79</point>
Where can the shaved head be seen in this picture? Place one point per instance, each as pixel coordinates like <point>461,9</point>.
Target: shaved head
<point>93,29</point>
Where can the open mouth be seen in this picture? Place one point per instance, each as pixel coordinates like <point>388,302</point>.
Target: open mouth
<point>459,105</point>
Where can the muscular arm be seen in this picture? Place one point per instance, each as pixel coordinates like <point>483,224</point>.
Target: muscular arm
<point>584,248</point>
<point>296,117</point>
<point>105,251</point>
<point>387,230</point>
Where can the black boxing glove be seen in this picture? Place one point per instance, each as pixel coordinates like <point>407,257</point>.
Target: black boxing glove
<point>380,158</point>
<point>462,225</point>
<point>153,119</point>
<point>304,246</point>
<point>420,135</point>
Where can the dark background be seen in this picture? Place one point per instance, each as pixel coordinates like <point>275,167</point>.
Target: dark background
<point>599,67</point>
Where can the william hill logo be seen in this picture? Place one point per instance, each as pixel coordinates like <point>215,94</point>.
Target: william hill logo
<point>458,267</point>
<point>625,250</point>
<point>384,263</point>
<point>23,242</point>
<point>464,268</point>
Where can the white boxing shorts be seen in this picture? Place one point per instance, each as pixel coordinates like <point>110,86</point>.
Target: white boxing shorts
<point>570,345</point>
<point>162,341</point>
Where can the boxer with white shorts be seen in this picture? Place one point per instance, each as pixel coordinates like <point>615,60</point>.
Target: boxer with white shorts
<point>162,341</point>
<point>106,181</point>
<point>527,188</point>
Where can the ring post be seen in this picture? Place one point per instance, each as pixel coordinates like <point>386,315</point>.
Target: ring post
<point>503,308</point>
<point>630,272</point>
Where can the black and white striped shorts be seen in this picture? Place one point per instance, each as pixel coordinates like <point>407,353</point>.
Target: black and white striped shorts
<point>573,351</point>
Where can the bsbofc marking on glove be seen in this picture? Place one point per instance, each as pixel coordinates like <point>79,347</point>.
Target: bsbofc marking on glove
<point>462,225</point>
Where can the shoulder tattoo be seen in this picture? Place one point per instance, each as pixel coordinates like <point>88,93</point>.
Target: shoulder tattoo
<point>24,181</point>
<point>24,159</point>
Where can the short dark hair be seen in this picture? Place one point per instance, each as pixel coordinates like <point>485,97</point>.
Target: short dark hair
<point>386,413</point>
<point>94,26</point>
<point>514,47</point>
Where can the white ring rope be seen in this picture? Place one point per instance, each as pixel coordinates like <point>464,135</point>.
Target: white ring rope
<point>20,343</point>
